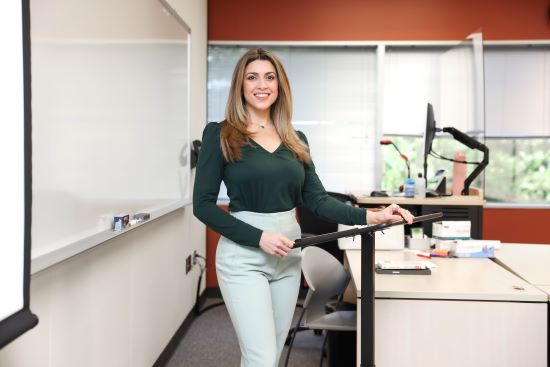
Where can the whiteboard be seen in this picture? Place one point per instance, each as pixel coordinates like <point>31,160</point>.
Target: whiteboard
<point>110,107</point>
<point>15,118</point>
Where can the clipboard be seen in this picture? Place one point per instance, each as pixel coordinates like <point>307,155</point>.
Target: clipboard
<point>426,271</point>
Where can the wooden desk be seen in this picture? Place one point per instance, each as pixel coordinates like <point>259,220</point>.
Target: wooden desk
<point>472,200</point>
<point>530,262</point>
<point>453,208</point>
<point>469,312</point>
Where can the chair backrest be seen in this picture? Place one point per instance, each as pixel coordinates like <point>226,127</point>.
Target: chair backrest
<point>326,277</point>
<point>313,225</point>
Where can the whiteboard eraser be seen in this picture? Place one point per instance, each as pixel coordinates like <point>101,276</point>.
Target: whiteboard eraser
<point>121,221</point>
<point>142,216</point>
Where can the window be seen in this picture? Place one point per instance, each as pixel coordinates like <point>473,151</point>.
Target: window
<point>346,98</point>
<point>334,98</point>
<point>517,99</point>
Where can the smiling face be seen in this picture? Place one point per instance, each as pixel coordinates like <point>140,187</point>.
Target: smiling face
<point>260,86</point>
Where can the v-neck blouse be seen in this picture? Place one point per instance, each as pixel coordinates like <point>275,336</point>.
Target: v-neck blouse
<point>262,182</point>
<point>267,151</point>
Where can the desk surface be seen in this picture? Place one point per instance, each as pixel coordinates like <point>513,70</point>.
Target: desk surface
<point>472,200</point>
<point>454,279</point>
<point>530,262</point>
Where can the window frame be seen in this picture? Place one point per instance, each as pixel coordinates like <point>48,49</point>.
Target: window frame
<point>380,49</point>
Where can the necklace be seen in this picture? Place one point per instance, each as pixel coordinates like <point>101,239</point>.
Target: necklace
<point>262,125</point>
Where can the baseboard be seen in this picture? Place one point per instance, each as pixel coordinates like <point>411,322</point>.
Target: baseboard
<point>172,345</point>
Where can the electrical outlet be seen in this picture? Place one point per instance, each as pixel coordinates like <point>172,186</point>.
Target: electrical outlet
<point>195,256</point>
<point>188,264</point>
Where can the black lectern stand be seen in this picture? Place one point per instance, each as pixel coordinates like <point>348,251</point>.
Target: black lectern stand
<point>367,275</point>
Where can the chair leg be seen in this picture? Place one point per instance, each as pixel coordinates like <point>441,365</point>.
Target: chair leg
<point>291,331</point>
<point>294,336</point>
<point>323,349</point>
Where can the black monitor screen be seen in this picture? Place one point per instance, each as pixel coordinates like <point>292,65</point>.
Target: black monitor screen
<point>429,135</point>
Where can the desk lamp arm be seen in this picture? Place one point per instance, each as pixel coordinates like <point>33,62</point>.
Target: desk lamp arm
<point>472,144</point>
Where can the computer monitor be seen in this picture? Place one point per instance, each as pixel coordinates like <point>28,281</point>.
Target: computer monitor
<point>429,135</point>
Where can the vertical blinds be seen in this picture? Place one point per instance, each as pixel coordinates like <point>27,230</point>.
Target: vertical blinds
<point>334,100</point>
<point>517,91</point>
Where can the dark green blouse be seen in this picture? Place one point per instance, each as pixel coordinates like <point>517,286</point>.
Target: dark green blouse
<point>261,182</point>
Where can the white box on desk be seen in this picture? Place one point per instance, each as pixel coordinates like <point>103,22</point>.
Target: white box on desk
<point>443,243</point>
<point>418,243</point>
<point>452,229</point>
<point>474,248</point>
<point>393,238</point>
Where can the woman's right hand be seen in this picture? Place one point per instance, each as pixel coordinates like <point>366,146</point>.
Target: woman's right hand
<point>275,244</point>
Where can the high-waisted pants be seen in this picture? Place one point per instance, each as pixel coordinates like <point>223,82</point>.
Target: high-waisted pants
<point>260,290</point>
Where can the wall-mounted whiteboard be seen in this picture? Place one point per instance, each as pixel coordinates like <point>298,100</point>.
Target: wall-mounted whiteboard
<point>15,162</point>
<point>110,81</point>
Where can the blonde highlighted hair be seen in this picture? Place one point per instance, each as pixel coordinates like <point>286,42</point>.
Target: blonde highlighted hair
<point>234,132</point>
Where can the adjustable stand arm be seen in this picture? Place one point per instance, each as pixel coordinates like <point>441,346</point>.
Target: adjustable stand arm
<point>472,144</point>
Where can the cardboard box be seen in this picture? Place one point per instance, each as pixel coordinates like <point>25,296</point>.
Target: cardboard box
<point>443,244</point>
<point>449,229</point>
<point>418,243</point>
<point>392,238</point>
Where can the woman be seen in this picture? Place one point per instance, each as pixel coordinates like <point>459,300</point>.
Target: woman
<point>267,169</point>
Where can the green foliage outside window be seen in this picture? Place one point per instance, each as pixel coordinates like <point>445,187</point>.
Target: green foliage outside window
<point>518,171</point>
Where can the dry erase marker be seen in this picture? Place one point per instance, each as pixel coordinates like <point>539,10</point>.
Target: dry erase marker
<point>423,254</point>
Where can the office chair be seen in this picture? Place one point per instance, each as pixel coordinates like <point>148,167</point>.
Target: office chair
<point>313,225</point>
<point>326,278</point>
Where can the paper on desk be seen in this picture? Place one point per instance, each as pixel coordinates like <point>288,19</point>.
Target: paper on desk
<point>417,264</point>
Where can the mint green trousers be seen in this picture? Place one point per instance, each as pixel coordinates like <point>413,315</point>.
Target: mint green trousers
<point>260,290</point>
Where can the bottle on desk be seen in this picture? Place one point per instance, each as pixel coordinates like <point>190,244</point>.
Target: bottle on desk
<point>408,189</point>
<point>419,187</point>
<point>459,173</point>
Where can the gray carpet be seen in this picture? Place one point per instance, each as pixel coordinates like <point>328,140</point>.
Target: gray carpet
<point>211,341</point>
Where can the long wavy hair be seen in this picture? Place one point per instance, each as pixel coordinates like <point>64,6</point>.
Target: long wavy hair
<point>234,132</point>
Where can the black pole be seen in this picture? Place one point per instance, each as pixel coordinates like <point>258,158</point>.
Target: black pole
<point>367,300</point>
<point>367,275</point>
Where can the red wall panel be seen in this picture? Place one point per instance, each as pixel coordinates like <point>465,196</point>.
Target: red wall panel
<point>303,20</point>
<point>517,225</point>
<point>212,239</point>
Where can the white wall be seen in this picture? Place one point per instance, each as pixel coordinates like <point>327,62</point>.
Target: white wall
<point>119,303</point>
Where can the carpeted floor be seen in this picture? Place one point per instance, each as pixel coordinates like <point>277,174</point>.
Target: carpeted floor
<point>211,342</point>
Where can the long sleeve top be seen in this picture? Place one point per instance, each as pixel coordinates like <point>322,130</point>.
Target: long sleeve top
<point>262,182</point>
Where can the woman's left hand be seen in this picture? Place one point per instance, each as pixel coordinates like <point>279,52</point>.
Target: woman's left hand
<point>390,213</point>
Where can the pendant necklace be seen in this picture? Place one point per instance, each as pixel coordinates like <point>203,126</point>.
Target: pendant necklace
<point>262,125</point>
